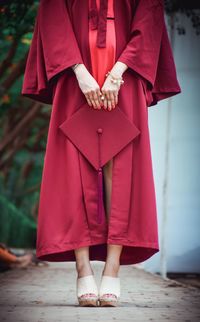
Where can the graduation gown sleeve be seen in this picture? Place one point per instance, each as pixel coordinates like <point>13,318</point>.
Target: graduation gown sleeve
<point>148,52</point>
<point>53,49</point>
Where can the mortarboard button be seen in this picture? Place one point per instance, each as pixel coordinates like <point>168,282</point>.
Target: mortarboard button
<point>100,130</point>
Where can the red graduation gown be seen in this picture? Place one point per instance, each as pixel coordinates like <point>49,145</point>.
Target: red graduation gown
<point>68,196</point>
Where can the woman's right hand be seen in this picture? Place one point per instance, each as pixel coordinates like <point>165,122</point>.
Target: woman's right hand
<point>88,86</point>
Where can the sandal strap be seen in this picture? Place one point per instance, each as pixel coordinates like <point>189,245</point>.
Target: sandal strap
<point>88,296</point>
<point>86,285</point>
<point>109,285</point>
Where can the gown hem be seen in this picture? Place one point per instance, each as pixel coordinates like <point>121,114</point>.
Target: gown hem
<point>66,251</point>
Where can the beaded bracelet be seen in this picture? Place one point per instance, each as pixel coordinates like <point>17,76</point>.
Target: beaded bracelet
<point>115,80</point>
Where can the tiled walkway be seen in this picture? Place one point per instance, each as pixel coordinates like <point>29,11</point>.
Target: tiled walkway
<point>46,294</point>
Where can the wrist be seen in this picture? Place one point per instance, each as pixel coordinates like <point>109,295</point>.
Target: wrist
<point>77,67</point>
<point>116,80</point>
<point>118,69</point>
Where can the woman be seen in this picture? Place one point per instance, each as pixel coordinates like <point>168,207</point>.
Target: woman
<point>105,53</point>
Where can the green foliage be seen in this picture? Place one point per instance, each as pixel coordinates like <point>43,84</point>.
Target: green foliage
<point>16,230</point>
<point>189,8</point>
<point>20,177</point>
<point>17,17</point>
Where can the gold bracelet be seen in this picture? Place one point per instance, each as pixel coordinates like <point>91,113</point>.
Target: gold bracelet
<point>115,80</point>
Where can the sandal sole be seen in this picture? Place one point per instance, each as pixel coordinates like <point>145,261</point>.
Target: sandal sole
<point>108,303</point>
<point>88,303</point>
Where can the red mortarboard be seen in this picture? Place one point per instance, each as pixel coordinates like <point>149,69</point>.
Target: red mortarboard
<point>99,135</point>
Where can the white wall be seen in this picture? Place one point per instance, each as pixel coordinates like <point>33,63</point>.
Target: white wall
<point>182,230</point>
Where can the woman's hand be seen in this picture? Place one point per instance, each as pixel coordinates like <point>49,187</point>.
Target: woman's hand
<point>88,86</point>
<point>109,89</point>
<point>110,92</point>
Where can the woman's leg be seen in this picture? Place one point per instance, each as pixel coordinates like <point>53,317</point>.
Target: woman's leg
<point>83,265</point>
<point>112,263</point>
<point>113,251</point>
<point>107,172</point>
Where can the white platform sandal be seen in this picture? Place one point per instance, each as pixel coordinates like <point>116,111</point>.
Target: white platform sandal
<point>87,291</point>
<point>109,292</point>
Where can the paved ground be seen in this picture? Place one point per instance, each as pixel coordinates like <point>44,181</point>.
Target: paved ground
<point>46,294</point>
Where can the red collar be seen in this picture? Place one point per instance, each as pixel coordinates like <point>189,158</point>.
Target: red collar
<point>99,20</point>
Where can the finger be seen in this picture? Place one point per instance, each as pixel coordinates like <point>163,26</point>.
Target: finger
<point>91,99</point>
<point>99,94</point>
<point>95,99</point>
<point>88,99</point>
<point>112,97</point>
<point>105,103</point>
<point>108,95</point>
<point>93,104</point>
<point>103,92</point>
<point>98,91</point>
<point>109,105</point>
<point>116,97</point>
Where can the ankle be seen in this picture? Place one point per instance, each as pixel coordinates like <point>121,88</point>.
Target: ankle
<point>111,269</point>
<point>84,269</point>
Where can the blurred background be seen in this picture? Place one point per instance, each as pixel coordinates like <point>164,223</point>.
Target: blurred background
<point>174,125</point>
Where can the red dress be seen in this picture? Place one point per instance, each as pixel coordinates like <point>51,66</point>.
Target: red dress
<point>103,59</point>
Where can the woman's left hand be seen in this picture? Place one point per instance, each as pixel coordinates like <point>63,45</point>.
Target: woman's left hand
<point>110,92</point>
<point>109,89</point>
